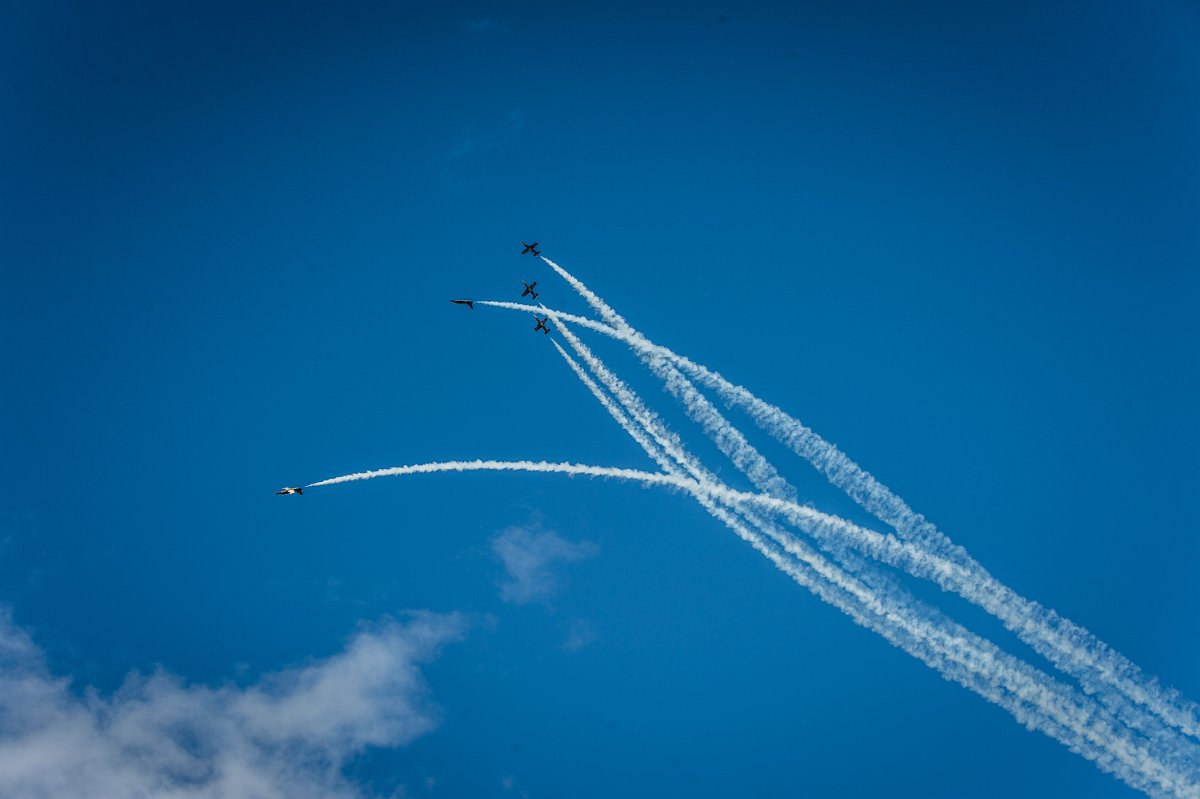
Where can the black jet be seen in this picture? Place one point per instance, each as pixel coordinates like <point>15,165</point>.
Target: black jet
<point>531,249</point>
<point>541,325</point>
<point>529,289</point>
<point>469,303</point>
<point>291,490</point>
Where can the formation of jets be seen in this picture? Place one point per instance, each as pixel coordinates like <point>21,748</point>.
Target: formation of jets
<point>530,291</point>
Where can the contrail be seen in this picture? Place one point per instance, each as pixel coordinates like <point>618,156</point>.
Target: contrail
<point>1069,646</point>
<point>928,628</point>
<point>604,309</point>
<point>503,466</point>
<point>956,653</point>
<point>729,495</point>
<point>575,319</point>
<point>634,432</point>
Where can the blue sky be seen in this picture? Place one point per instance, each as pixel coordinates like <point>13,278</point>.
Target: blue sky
<point>959,242</point>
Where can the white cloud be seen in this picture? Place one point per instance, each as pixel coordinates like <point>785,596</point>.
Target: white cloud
<point>529,557</point>
<point>580,635</point>
<point>287,736</point>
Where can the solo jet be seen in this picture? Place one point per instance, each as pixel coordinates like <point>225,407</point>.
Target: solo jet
<point>531,249</point>
<point>541,325</point>
<point>291,490</point>
<point>469,303</point>
<point>529,289</point>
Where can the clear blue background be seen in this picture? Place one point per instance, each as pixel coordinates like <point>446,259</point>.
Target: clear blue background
<point>959,240</point>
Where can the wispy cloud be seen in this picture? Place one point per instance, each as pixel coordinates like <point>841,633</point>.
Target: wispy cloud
<point>288,736</point>
<point>510,785</point>
<point>484,25</point>
<point>482,140</point>
<point>581,634</point>
<point>530,558</point>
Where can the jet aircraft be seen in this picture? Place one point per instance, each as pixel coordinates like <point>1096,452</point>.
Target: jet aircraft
<point>469,303</point>
<point>541,325</point>
<point>529,289</point>
<point>290,490</point>
<point>531,249</point>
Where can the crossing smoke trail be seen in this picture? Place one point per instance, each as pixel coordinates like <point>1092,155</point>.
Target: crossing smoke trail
<point>1101,670</point>
<point>833,533</point>
<point>956,653</point>
<point>749,461</point>
<point>1158,753</point>
<point>1159,766</point>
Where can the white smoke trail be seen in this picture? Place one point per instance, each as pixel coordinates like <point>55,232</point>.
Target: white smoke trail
<point>582,321</point>
<point>619,415</point>
<point>1070,647</point>
<point>927,628</point>
<point>504,466</point>
<point>604,309</point>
